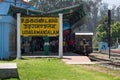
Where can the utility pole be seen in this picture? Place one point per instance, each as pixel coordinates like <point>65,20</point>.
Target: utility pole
<point>109,37</point>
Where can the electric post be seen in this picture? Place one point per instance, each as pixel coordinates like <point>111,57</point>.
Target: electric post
<point>109,37</point>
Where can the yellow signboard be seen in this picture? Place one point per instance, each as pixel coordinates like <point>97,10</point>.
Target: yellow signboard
<point>39,26</point>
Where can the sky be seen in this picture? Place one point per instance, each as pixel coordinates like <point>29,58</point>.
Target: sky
<point>112,2</point>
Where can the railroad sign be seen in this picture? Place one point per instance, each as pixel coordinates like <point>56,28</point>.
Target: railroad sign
<point>39,26</point>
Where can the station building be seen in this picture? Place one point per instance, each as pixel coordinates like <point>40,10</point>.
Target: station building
<point>8,27</point>
<point>73,17</point>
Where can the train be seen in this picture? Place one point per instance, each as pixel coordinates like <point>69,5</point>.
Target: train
<point>83,43</point>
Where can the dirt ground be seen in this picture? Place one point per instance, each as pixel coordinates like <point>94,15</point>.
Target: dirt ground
<point>102,69</point>
<point>103,58</point>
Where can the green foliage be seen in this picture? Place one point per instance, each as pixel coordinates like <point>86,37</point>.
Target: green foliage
<point>115,30</point>
<point>95,48</point>
<point>102,31</point>
<point>101,35</point>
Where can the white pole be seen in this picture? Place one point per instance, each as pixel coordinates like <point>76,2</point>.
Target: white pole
<point>18,37</point>
<point>61,36</point>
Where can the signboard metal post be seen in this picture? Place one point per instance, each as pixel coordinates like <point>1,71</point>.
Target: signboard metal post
<point>61,36</point>
<point>18,37</point>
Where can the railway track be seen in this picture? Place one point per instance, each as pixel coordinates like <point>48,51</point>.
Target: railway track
<point>103,60</point>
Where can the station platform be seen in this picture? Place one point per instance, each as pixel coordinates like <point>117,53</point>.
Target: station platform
<point>68,57</point>
<point>76,60</point>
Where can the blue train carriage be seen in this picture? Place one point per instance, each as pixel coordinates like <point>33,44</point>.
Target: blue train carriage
<point>83,43</point>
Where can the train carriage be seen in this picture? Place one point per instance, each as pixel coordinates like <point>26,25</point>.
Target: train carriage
<point>83,43</point>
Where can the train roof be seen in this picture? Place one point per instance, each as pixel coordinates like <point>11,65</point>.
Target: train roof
<point>90,33</point>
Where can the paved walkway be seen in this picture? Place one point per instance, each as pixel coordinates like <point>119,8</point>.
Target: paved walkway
<point>68,58</point>
<point>73,58</point>
<point>76,60</point>
<point>41,54</point>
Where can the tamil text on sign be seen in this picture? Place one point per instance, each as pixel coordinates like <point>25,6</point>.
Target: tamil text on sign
<point>39,26</point>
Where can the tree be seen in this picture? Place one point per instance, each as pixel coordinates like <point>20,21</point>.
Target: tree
<point>115,31</point>
<point>93,18</point>
<point>103,10</point>
<point>48,5</point>
<point>118,13</point>
<point>102,29</point>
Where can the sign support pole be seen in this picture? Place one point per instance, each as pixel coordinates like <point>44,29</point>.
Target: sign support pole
<point>18,37</point>
<point>61,36</point>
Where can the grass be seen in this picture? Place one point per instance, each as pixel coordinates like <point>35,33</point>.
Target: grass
<point>55,69</point>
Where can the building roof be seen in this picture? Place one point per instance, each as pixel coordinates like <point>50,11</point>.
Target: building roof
<point>71,14</point>
<point>6,4</point>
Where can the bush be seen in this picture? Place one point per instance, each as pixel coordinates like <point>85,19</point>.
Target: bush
<point>95,48</point>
